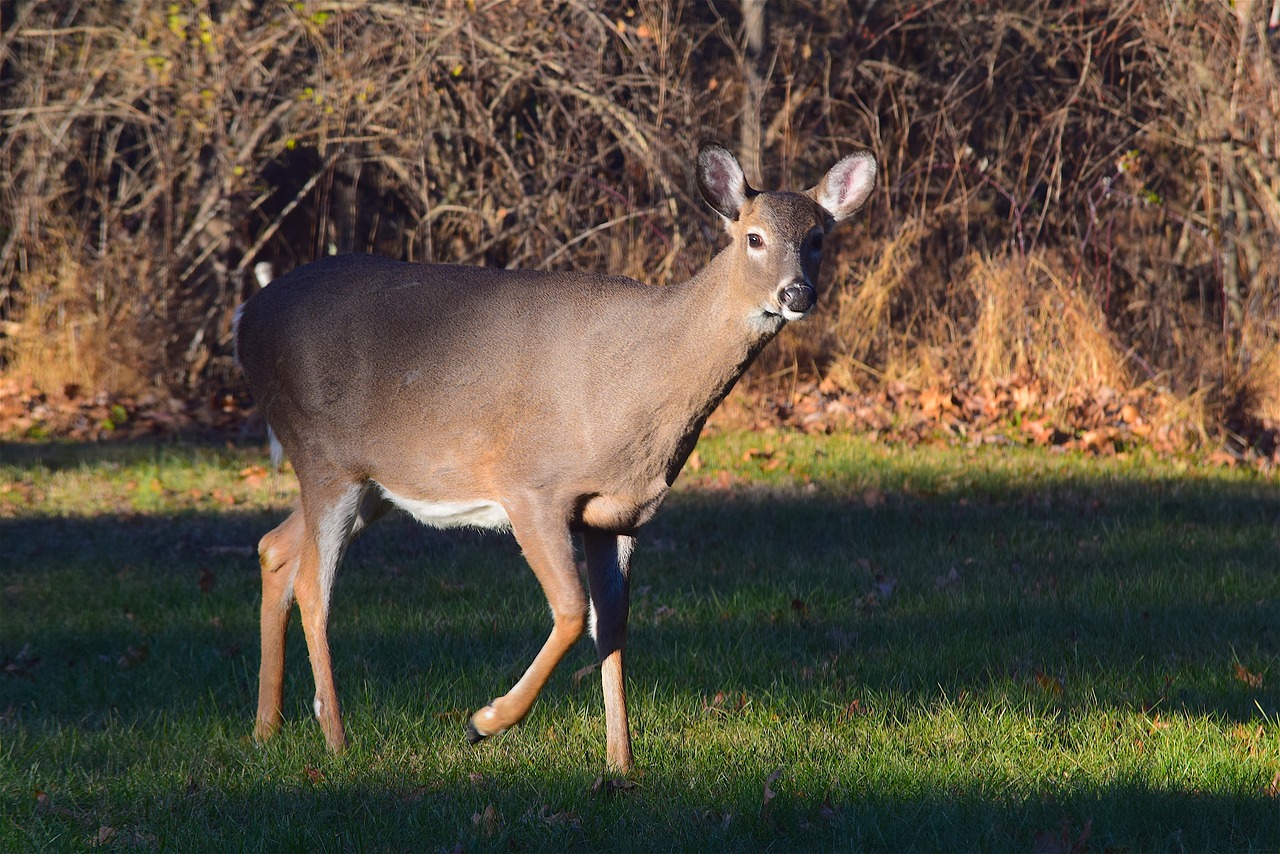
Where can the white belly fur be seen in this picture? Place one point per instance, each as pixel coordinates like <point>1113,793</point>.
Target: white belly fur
<point>452,514</point>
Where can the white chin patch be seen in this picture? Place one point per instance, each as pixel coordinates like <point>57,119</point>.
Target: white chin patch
<point>788,314</point>
<point>765,321</point>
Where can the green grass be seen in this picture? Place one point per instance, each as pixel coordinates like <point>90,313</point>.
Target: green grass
<point>936,649</point>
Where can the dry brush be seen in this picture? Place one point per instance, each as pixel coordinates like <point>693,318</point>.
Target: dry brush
<point>1081,195</point>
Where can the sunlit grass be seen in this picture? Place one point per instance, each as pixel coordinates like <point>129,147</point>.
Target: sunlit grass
<point>931,648</point>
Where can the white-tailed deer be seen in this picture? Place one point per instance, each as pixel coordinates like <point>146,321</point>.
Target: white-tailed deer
<point>541,402</point>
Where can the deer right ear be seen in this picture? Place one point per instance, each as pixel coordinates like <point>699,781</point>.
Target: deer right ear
<point>847,186</point>
<point>721,181</point>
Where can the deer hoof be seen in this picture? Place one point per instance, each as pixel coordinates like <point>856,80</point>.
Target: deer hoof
<point>474,736</point>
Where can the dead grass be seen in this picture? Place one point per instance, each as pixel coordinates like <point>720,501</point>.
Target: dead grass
<point>1257,386</point>
<point>1029,321</point>
<point>1084,191</point>
<point>66,340</point>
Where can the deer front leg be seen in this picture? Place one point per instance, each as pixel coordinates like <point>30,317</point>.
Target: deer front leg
<point>278,555</point>
<point>544,536</point>
<point>609,576</point>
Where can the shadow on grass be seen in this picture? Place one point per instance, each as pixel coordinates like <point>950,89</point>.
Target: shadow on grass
<point>326,817</point>
<point>1116,584</point>
<point>1059,596</point>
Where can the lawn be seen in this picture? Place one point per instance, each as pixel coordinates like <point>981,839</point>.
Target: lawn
<point>834,645</point>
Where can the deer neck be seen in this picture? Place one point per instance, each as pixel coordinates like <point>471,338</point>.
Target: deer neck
<point>722,331</point>
<point>714,337</point>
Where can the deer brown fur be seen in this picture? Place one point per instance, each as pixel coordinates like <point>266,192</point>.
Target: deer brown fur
<point>549,403</point>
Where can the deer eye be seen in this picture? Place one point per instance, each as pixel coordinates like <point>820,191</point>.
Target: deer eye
<point>815,245</point>
<point>754,240</point>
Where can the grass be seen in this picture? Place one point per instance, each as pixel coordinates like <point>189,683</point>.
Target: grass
<point>834,645</point>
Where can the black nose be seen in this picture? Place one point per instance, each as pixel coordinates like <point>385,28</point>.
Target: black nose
<point>798,297</point>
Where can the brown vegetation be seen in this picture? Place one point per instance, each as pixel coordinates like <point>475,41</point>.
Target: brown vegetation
<point>1074,197</point>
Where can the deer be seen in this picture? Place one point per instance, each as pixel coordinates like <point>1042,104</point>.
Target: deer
<point>548,404</point>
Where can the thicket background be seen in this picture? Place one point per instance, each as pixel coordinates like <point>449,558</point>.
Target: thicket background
<point>1072,197</point>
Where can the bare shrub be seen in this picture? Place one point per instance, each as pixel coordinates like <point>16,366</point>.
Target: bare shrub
<point>1113,162</point>
<point>206,139</point>
<point>1030,322</point>
<point>863,314</point>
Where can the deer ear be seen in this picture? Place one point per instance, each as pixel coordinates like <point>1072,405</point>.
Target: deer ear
<point>846,187</point>
<point>721,181</point>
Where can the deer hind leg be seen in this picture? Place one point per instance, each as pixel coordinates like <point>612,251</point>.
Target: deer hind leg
<point>278,554</point>
<point>544,537</point>
<point>329,519</point>
<point>609,575</point>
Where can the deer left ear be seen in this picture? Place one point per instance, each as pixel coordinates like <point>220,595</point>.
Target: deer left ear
<point>847,186</point>
<point>721,181</point>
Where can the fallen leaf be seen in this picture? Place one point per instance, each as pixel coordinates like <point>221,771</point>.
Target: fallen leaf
<point>853,710</point>
<point>451,715</point>
<point>45,806</point>
<point>1025,397</point>
<point>951,579</point>
<point>416,794</point>
<point>933,402</point>
<point>1243,674</point>
<point>579,675</point>
<point>223,497</point>
<point>253,475</point>
<point>207,580</point>
<point>488,822</point>
<point>1038,431</point>
<point>315,775</point>
<point>556,818</point>
<point>133,656</point>
<point>1051,684</point>
<point>613,785</point>
<point>1222,458</point>
<point>1062,842</point>
<point>1099,439</point>
<point>722,481</point>
<point>21,665</point>
<point>769,794</point>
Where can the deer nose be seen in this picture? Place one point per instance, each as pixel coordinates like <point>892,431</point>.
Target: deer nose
<point>798,297</point>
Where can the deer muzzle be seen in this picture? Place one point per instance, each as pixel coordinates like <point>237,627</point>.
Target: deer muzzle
<point>797,299</point>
